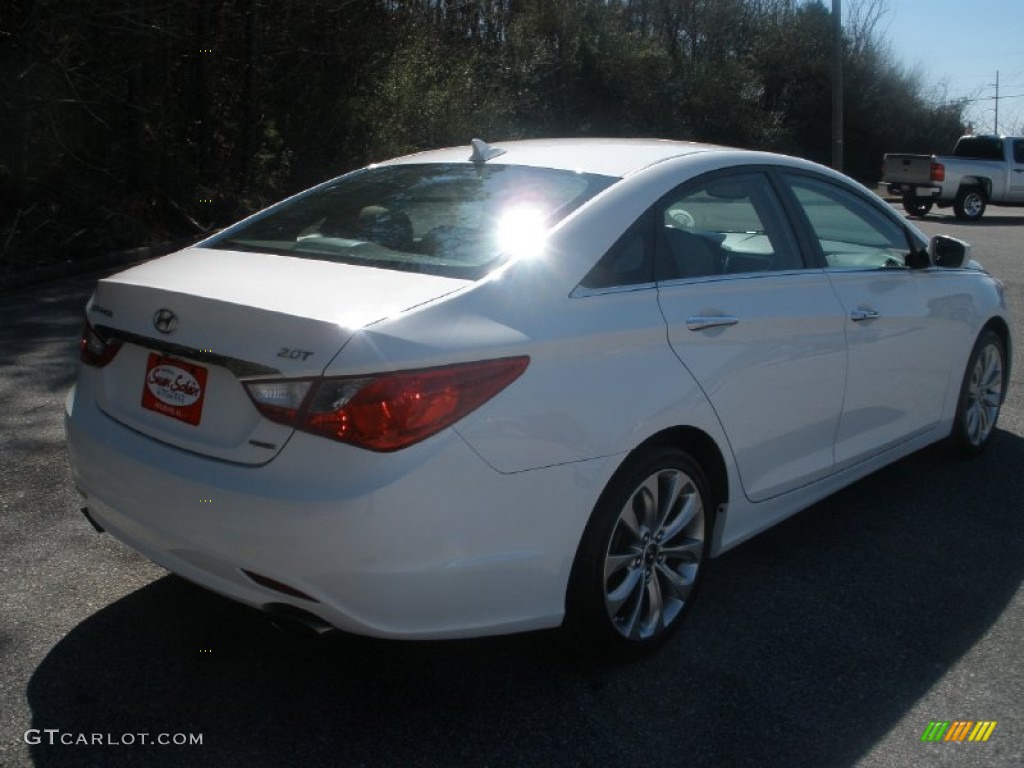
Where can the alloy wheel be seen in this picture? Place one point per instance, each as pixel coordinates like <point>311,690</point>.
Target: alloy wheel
<point>654,553</point>
<point>984,394</point>
<point>973,205</point>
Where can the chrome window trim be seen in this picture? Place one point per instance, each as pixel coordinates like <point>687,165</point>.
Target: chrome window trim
<point>761,275</point>
<point>582,292</point>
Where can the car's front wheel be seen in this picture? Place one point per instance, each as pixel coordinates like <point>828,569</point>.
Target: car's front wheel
<point>981,394</point>
<point>641,555</point>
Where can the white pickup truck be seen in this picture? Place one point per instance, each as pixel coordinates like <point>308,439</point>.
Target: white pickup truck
<point>981,170</point>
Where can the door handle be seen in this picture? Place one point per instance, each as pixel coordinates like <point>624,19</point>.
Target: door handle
<point>860,315</point>
<point>699,323</point>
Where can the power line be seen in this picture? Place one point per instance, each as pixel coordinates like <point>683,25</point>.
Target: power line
<point>977,88</point>
<point>991,98</point>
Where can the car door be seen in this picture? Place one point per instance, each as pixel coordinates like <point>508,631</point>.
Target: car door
<point>761,332</point>
<point>896,317</point>
<point>1017,172</point>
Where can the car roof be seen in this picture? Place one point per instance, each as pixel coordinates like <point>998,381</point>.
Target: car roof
<point>607,157</point>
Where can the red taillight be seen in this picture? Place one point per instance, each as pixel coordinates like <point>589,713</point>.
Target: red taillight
<point>938,172</point>
<point>389,411</point>
<point>94,349</point>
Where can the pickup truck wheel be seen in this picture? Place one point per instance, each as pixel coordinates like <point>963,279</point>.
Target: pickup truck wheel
<point>969,204</point>
<point>916,206</point>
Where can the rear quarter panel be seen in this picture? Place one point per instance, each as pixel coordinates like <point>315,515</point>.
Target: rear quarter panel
<point>601,378</point>
<point>991,175</point>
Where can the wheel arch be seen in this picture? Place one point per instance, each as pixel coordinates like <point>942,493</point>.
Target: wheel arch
<point>702,447</point>
<point>977,182</point>
<point>707,453</point>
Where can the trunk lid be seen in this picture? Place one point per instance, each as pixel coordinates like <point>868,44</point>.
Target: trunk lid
<point>197,323</point>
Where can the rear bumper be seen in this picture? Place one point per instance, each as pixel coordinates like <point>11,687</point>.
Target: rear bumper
<point>915,190</point>
<point>425,542</point>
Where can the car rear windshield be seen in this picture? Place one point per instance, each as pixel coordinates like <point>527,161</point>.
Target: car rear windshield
<point>454,220</point>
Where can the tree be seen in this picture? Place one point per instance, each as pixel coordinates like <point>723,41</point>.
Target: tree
<point>128,122</point>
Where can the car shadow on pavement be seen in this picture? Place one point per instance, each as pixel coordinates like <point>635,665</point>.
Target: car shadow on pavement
<point>807,646</point>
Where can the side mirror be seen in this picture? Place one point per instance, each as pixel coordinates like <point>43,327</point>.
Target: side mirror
<point>946,251</point>
<point>918,260</point>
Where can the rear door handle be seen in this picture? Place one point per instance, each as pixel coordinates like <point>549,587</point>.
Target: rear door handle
<point>700,322</point>
<point>860,315</point>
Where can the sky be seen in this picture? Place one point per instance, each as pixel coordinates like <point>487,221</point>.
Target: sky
<point>959,45</point>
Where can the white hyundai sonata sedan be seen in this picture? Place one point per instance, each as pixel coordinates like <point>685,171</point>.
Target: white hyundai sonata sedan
<point>499,388</point>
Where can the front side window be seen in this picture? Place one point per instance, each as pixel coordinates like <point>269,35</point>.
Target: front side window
<point>453,220</point>
<point>1018,151</point>
<point>727,225</point>
<point>851,232</point>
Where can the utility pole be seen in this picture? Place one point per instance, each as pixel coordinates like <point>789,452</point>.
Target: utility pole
<point>837,84</point>
<point>995,128</point>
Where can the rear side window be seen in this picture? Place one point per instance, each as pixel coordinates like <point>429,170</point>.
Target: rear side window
<point>723,226</point>
<point>979,148</point>
<point>628,262</point>
<point>456,220</point>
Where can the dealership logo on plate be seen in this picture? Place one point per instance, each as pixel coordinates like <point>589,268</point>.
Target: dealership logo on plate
<point>173,385</point>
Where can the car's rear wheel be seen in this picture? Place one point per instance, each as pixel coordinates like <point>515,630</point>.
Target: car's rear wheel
<point>641,555</point>
<point>969,204</point>
<point>981,394</point>
<point>916,206</point>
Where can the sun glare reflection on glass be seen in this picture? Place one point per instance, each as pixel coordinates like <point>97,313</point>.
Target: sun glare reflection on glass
<point>522,231</point>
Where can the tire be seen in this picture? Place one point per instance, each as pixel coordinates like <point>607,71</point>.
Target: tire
<point>641,556</point>
<point>970,204</point>
<point>916,206</point>
<point>981,395</point>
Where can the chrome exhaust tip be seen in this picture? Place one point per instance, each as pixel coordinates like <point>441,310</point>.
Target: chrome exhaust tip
<point>291,619</point>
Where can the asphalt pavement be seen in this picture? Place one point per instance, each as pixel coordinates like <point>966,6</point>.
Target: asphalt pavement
<point>833,639</point>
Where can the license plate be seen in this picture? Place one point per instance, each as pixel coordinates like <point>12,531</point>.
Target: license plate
<point>174,388</point>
